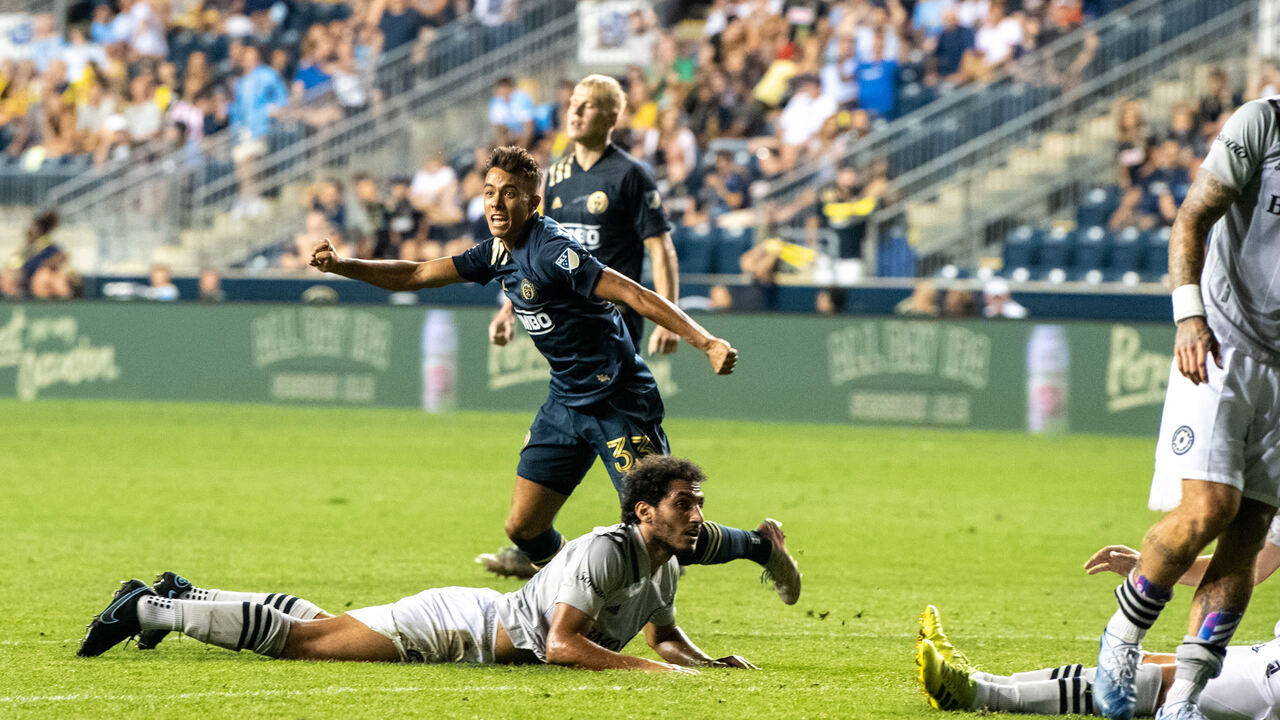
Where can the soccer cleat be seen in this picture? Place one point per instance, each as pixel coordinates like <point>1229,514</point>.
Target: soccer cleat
<point>931,630</point>
<point>167,585</point>
<point>781,568</point>
<point>508,562</point>
<point>1180,711</point>
<point>1115,685</point>
<point>118,622</point>
<point>948,687</point>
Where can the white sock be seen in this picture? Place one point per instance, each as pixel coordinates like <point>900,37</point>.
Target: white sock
<point>1197,665</point>
<point>1036,692</point>
<point>231,625</point>
<point>287,604</point>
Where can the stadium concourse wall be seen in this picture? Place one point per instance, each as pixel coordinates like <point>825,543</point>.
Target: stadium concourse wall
<point>1045,377</point>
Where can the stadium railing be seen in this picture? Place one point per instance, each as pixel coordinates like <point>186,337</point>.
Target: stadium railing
<point>134,209</point>
<point>971,129</point>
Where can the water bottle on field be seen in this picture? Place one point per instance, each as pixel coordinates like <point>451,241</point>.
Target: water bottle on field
<point>439,362</point>
<point>1048,367</point>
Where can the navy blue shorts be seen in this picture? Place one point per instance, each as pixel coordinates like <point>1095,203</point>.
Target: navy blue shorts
<point>564,441</point>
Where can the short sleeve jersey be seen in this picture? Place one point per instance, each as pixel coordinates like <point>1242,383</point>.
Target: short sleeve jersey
<point>551,281</point>
<point>1240,285</point>
<point>605,574</point>
<point>611,209</point>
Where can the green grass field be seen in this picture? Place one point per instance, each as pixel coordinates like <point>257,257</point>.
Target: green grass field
<point>350,508</point>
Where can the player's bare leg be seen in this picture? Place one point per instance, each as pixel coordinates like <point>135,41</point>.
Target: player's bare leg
<point>1218,606</point>
<point>530,525</point>
<point>1168,550</point>
<point>338,638</point>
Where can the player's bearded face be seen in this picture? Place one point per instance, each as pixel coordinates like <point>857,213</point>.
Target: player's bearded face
<point>678,519</point>
<point>587,122</point>
<point>507,205</point>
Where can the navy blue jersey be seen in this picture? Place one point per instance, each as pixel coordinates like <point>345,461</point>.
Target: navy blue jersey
<point>551,282</point>
<point>611,209</point>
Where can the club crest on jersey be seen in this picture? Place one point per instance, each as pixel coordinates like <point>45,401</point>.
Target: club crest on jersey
<point>1183,439</point>
<point>556,204</point>
<point>597,202</point>
<point>527,290</point>
<point>568,260</point>
<point>653,199</point>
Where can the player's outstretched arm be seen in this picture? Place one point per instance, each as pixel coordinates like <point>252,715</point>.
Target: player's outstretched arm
<point>666,282</point>
<point>567,644</point>
<point>618,288</point>
<point>672,645</point>
<point>1122,559</point>
<point>1206,201</point>
<point>395,275</point>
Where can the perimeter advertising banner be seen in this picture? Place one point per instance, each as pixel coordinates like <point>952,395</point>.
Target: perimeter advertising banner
<point>1051,378</point>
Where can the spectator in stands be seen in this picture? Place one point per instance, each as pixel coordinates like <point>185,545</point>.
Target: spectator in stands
<point>1182,130</point>
<point>143,115</point>
<point>213,104</point>
<point>367,218</point>
<point>998,301</point>
<point>927,18</point>
<point>841,211</point>
<point>1217,101</point>
<point>145,29</point>
<point>400,25</point>
<point>187,112</point>
<point>511,114</point>
<point>161,286</point>
<point>1152,201</point>
<point>259,96</point>
<point>803,117</point>
<point>351,83</point>
<point>10,283</point>
<point>840,75</point>
<point>100,31</point>
<point>959,303</point>
<point>724,187</point>
<point>211,286</point>
<point>407,229</point>
<point>46,44</point>
<point>972,12</point>
<point>326,198</point>
<point>670,149</point>
<point>40,264</point>
<point>999,37</point>
<point>922,302</point>
<point>197,75</point>
<point>115,145</point>
<point>878,79</point>
<point>498,18</point>
<point>91,116</point>
<point>1133,142</point>
<point>80,53</point>
<point>317,228</point>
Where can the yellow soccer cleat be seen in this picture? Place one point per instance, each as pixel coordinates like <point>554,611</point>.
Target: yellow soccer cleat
<point>931,630</point>
<point>948,687</point>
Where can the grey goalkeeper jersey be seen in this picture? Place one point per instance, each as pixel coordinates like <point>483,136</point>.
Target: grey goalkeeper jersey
<point>1241,279</point>
<point>605,574</point>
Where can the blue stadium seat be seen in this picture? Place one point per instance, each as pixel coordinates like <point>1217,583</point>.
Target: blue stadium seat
<point>1155,254</point>
<point>699,247</point>
<point>1021,249</point>
<point>1096,209</point>
<point>733,242</point>
<point>1126,254</point>
<point>1055,252</point>
<point>1091,250</point>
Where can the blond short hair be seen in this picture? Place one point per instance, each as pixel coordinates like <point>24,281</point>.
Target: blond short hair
<point>606,92</point>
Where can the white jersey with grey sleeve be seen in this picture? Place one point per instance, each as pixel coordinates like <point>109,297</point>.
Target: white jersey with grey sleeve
<point>605,574</point>
<point>1241,279</point>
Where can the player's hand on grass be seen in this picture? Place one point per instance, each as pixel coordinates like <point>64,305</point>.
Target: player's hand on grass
<point>734,661</point>
<point>1119,559</point>
<point>673,668</point>
<point>723,356</point>
<point>662,341</point>
<point>1192,346</point>
<point>324,256</point>
<point>501,328</point>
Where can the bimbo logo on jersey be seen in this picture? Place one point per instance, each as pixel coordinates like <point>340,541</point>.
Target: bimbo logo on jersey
<point>537,323</point>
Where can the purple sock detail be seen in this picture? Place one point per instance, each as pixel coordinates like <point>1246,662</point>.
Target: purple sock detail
<point>1218,623</point>
<point>1146,588</point>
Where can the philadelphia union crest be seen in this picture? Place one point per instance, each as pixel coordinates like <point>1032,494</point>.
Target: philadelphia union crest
<point>1183,439</point>
<point>527,290</point>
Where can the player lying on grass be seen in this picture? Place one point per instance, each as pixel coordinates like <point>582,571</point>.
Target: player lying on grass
<point>580,610</point>
<point>602,401</point>
<point>1248,687</point>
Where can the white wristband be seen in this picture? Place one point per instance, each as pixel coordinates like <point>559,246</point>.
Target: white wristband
<point>1187,302</point>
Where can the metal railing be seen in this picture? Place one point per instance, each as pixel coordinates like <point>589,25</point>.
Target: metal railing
<point>135,208</point>
<point>970,112</point>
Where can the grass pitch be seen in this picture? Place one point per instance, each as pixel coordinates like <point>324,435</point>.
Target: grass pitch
<point>350,508</point>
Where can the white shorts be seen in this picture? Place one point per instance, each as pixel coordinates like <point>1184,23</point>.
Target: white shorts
<point>1225,431</point>
<point>441,625</point>
<point>1246,689</point>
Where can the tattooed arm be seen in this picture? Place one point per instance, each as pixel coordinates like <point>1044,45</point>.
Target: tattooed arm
<point>1207,200</point>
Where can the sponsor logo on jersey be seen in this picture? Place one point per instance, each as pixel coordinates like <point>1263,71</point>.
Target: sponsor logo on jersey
<point>1183,439</point>
<point>536,323</point>
<point>568,261</point>
<point>603,378</point>
<point>1235,147</point>
<point>1273,667</point>
<point>527,290</point>
<point>588,236</point>
<point>556,204</point>
<point>653,199</point>
<point>597,202</point>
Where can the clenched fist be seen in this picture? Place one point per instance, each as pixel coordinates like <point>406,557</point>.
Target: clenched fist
<point>324,256</point>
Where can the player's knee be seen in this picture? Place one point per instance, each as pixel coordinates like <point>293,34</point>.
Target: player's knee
<point>520,527</point>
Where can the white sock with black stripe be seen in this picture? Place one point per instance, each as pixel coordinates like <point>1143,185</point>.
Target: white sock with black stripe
<point>231,625</point>
<point>1058,691</point>
<point>287,604</point>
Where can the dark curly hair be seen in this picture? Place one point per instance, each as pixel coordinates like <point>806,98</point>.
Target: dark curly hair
<point>518,162</point>
<point>649,480</point>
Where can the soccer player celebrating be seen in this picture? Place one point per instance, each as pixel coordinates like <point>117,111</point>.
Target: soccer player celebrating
<point>1247,687</point>
<point>608,201</point>
<point>1221,419</point>
<point>603,400</point>
<point>580,611</point>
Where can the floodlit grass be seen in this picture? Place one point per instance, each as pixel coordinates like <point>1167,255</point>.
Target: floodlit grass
<point>354,507</point>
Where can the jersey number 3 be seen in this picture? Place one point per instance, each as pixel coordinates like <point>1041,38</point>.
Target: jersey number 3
<point>628,452</point>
